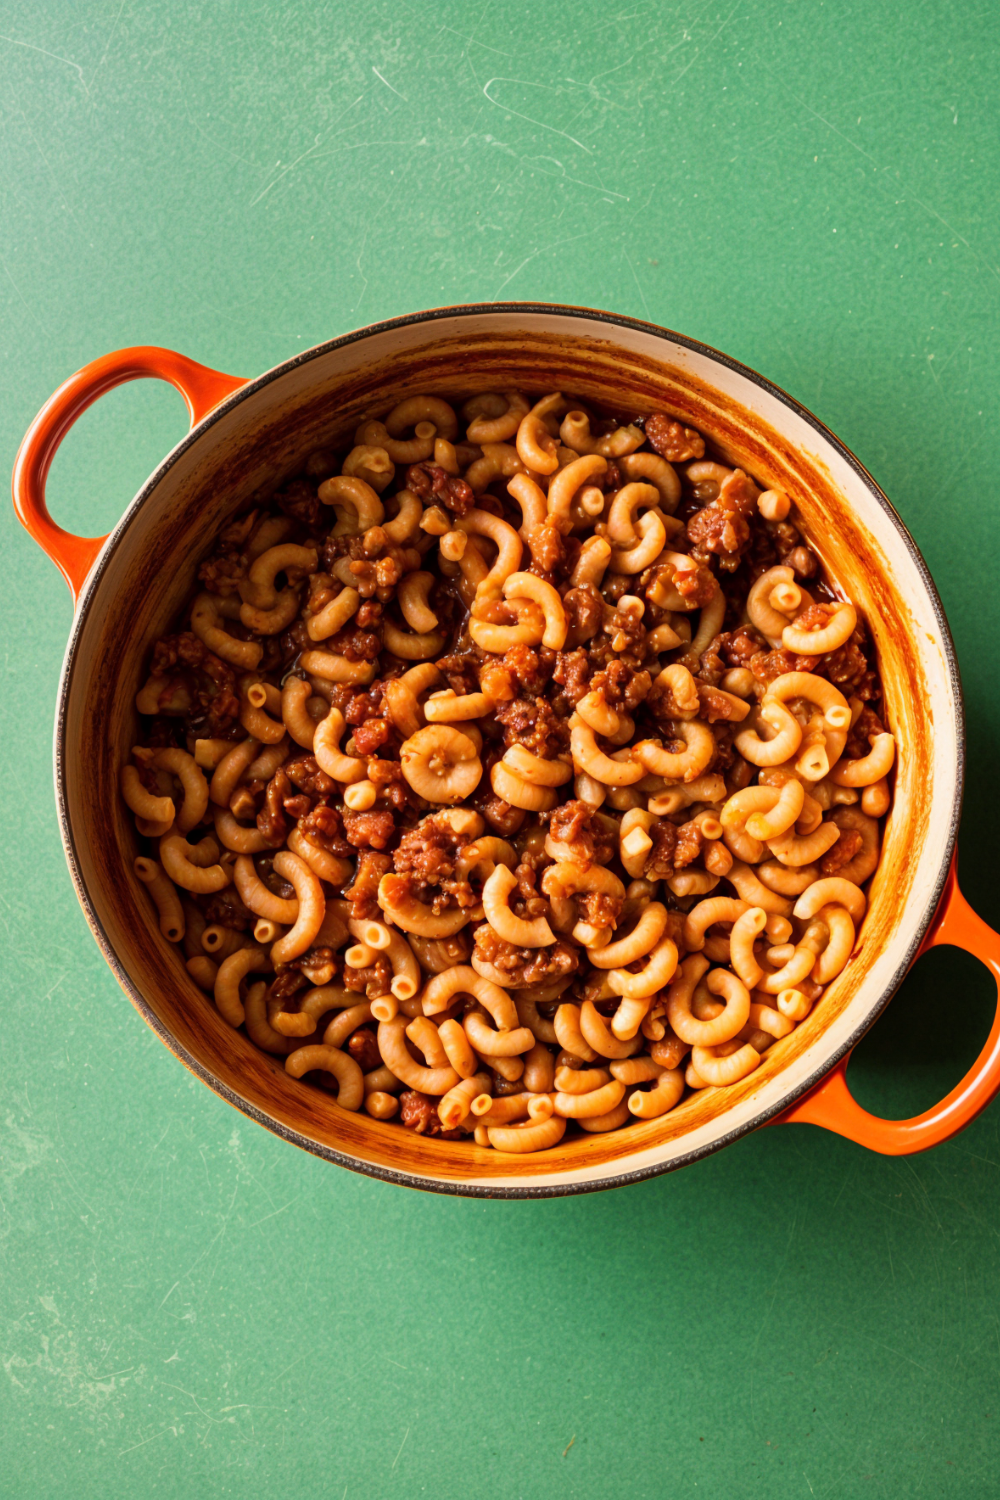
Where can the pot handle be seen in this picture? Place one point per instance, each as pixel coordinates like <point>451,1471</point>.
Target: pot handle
<point>831,1104</point>
<point>201,388</point>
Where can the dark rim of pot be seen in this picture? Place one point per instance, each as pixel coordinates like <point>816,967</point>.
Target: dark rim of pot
<point>413,1180</point>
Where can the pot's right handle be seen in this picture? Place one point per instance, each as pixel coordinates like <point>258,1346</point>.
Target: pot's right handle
<point>201,388</point>
<point>831,1103</point>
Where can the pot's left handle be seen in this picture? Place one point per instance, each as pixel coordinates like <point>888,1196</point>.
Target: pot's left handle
<point>201,388</point>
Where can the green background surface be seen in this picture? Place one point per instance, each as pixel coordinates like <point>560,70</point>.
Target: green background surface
<point>190,1307</point>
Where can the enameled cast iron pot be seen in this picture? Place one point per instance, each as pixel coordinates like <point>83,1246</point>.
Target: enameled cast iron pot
<point>247,435</point>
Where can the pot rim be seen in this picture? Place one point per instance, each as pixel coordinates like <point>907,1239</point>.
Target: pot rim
<point>374,1169</point>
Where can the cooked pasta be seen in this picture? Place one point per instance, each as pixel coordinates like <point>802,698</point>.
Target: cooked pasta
<point>514,772</point>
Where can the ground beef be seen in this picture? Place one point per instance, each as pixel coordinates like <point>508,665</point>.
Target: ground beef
<point>354,644</point>
<point>208,682</point>
<point>723,533</point>
<point>843,851</point>
<point>429,480</point>
<point>673,442</point>
<point>324,827</point>
<point>429,851</point>
<point>690,841</point>
<point>660,859</point>
<point>298,807</point>
<point>273,822</point>
<point>364,890</point>
<point>814,617</point>
<point>363,1047</point>
<point>712,667</point>
<point>760,553</point>
<point>723,527</point>
<point>461,671</point>
<point>369,830</point>
<point>621,686</point>
<point>222,572</point>
<point>613,585</point>
<point>786,536</point>
<point>288,981</point>
<point>598,909</point>
<point>573,671</point>
<point>725,756</point>
<point>427,860</point>
<point>847,667</point>
<point>627,637</point>
<point>525,966</point>
<point>334,550</point>
<point>525,900</point>
<point>496,682</point>
<point>418,1112</point>
<point>522,672</point>
<point>371,982</point>
<point>304,773</point>
<point>369,614</point>
<point>376,575</point>
<point>859,739</point>
<point>584,613</point>
<point>548,550</point>
<point>371,736</point>
<point>695,585</point>
<point>358,708</point>
<point>577,824</point>
<point>738,495</point>
<point>849,670</point>
<point>533,723</point>
<point>770,665</point>
<point>734,648</point>
<point>530,668</point>
<point>742,646</point>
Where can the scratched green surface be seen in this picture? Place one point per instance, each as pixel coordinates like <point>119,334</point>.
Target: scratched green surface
<point>189,1307</point>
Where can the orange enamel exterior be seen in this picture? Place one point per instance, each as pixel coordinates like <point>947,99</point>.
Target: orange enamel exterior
<point>201,388</point>
<point>829,1103</point>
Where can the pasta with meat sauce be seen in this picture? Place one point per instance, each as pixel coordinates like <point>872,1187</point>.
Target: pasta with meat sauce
<point>513,771</point>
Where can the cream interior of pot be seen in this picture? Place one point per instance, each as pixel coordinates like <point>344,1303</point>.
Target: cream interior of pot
<point>149,567</point>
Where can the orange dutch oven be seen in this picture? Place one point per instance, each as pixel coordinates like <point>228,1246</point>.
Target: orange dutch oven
<point>248,435</point>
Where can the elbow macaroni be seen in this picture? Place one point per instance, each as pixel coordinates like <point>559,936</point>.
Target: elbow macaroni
<point>403,852</point>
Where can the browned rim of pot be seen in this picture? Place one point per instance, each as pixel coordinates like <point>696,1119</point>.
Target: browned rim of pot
<point>371,1169</point>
